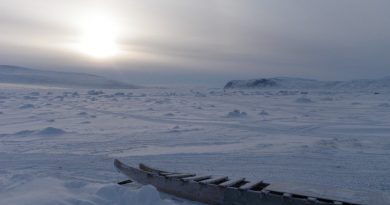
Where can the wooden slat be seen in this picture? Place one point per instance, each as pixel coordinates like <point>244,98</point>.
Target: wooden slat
<point>168,174</point>
<point>251,185</point>
<point>128,181</point>
<point>214,180</point>
<point>196,178</point>
<point>164,173</point>
<point>232,182</point>
<point>179,176</point>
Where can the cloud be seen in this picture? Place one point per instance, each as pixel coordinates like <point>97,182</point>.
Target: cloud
<point>320,39</point>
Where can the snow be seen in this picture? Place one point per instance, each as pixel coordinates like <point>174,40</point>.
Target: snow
<point>27,190</point>
<point>60,147</point>
<point>384,105</point>
<point>236,113</point>
<point>27,106</point>
<point>263,112</point>
<point>48,131</point>
<point>303,100</point>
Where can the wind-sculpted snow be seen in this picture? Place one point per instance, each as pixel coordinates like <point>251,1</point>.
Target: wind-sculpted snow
<point>48,131</point>
<point>29,190</point>
<point>308,84</point>
<point>20,75</point>
<point>62,142</point>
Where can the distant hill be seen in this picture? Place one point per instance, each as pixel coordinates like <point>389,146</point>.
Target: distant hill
<point>301,83</point>
<point>21,75</point>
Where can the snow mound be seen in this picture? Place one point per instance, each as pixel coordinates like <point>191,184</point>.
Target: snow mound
<point>384,105</point>
<point>301,83</point>
<point>25,190</point>
<point>263,112</point>
<point>20,75</point>
<point>27,97</point>
<point>236,113</point>
<point>48,131</point>
<point>303,100</point>
<point>83,113</point>
<point>24,132</point>
<point>327,99</point>
<point>26,106</point>
<point>51,131</point>
<point>95,92</point>
<point>35,94</point>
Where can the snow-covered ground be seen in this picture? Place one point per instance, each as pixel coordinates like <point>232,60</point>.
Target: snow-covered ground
<point>57,146</point>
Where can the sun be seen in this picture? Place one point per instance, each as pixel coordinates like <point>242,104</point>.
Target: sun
<point>98,36</point>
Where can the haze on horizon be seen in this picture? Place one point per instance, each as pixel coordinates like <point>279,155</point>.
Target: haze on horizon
<point>199,42</point>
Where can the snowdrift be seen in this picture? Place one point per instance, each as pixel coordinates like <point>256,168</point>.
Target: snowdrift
<point>27,190</point>
<point>20,75</point>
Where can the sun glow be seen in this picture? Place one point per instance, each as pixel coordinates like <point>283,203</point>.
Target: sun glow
<point>98,36</point>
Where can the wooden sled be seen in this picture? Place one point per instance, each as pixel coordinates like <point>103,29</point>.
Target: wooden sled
<point>236,191</point>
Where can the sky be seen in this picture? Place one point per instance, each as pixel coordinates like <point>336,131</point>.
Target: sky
<point>200,41</point>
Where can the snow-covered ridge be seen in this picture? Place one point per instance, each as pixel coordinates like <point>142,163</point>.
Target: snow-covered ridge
<point>21,75</point>
<point>301,83</point>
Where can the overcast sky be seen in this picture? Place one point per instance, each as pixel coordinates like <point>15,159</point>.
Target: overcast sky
<point>202,41</point>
